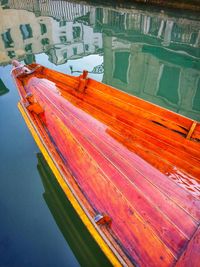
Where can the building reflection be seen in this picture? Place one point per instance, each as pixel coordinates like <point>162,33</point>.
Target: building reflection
<point>49,28</point>
<point>78,238</point>
<point>155,55</point>
<point>154,74</point>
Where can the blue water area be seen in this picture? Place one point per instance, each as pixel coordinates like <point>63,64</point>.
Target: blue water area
<point>154,55</point>
<point>29,235</point>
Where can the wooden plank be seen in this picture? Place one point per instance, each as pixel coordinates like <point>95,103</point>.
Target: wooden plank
<point>191,256</point>
<point>92,180</point>
<point>172,237</point>
<point>116,247</point>
<point>145,105</point>
<point>97,135</point>
<point>167,115</point>
<point>155,148</point>
<point>131,116</point>
<point>142,205</point>
<point>164,116</point>
<point>188,196</point>
<point>177,157</point>
<point>154,131</point>
<point>162,166</point>
<point>134,129</point>
<point>196,133</point>
<point>104,244</point>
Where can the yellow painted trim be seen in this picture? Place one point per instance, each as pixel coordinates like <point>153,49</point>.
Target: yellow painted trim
<point>93,231</point>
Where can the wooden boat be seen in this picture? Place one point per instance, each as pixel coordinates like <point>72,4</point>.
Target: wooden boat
<point>131,169</point>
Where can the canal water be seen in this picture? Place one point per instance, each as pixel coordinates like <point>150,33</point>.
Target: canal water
<point>153,54</point>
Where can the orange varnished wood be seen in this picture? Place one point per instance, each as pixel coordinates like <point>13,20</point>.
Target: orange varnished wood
<point>169,119</point>
<point>97,186</point>
<point>155,159</point>
<point>172,148</point>
<point>127,158</point>
<point>97,133</point>
<point>122,181</point>
<point>131,120</point>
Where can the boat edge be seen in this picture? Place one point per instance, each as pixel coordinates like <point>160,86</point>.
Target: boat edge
<point>101,240</point>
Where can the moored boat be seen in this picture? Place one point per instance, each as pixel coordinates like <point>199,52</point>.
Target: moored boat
<point>131,169</point>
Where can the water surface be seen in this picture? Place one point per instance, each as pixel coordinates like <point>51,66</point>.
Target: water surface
<point>153,55</point>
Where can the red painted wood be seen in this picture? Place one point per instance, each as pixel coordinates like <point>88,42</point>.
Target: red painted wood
<point>111,142</point>
<point>182,157</point>
<point>157,220</point>
<point>100,137</point>
<point>142,205</point>
<point>100,140</point>
<point>166,117</point>
<point>107,198</point>
<point>191,256</point>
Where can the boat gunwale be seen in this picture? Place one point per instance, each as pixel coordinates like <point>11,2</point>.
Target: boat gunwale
<point>167,119</point>
<point>122,92</point>
<point>111,253</point>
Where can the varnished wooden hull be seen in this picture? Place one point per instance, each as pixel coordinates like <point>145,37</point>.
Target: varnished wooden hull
<point>116,154</point>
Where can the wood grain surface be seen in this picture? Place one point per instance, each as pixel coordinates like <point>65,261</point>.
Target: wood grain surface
<point>129,159</point>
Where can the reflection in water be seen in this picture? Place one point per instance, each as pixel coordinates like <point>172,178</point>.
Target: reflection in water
<point>60,37</point>
<point>155,56</point>
<point>3,88</point>
<point>81,243</point>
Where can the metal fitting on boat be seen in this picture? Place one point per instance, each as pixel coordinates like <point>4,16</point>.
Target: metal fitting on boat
<point>102,219</point>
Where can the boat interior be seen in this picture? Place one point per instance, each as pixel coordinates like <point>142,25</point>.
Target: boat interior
<point>125,157</point>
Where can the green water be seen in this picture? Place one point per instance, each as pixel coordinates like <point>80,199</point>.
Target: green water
<point>153,54</point>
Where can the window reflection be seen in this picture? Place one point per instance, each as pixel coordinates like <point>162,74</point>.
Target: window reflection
<point>28,48</point>
<point>63,39</point>
<point>11,54</point>
<point>43,28</point>
<point>75,50</point>
<point>169,84</point>
<point>62,23</point>
<point>7,39</point>
<point>121,66</point>
<point>45,41</point>
<point>26,31</point>
<point>76,32</point>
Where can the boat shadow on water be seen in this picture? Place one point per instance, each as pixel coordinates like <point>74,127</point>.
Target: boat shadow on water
<point>76,235</point>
